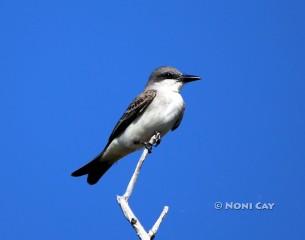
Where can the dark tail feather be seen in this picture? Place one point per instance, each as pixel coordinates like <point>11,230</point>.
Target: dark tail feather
<point>95,170</point>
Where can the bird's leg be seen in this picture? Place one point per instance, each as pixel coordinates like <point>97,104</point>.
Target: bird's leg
<point>156,142</point>
<point>158,138</point>
<point>148,146</point>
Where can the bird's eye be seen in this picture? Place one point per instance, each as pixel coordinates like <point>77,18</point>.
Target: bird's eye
<point>169,75</point>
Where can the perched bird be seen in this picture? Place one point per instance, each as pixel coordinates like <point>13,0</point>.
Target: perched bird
<point>159,108</point>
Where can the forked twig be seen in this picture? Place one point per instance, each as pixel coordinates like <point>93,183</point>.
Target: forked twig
<point>123,200</point>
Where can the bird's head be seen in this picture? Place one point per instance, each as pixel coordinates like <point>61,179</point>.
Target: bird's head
<point>169,78</point>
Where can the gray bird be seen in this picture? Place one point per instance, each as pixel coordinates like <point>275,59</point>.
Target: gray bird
<point>159,108</point>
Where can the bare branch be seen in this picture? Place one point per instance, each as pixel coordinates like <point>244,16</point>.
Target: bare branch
<point>123,200</point>
<point>153,231</point>
<point>132,219</point>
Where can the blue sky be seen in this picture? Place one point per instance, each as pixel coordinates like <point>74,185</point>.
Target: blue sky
<point>68,70</point>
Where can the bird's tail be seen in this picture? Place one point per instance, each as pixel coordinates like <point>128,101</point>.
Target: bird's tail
<point>95,170</point>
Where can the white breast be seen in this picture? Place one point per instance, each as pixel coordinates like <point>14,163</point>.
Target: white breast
<point>161,115</point>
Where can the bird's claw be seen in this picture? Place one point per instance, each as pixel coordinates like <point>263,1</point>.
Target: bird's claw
<point>148,146</point>
<point>156,142</point>
<point>158,138</point>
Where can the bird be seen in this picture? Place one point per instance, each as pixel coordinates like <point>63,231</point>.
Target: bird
<point>159,108</point>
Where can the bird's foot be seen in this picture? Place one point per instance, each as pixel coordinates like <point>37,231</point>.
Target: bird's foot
<point>158,138</point>
<point>148,146</point>
<point>155,142</point>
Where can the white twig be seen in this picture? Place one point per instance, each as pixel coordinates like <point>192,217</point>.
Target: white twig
<point>123,200</point>
<point>153,231</point>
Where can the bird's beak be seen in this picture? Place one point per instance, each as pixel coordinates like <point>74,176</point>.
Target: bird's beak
<point>189,78</point>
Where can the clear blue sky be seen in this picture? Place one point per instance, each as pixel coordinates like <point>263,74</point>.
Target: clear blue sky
<point>242,138</point>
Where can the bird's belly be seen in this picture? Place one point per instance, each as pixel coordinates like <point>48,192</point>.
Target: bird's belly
<point>116,150</point>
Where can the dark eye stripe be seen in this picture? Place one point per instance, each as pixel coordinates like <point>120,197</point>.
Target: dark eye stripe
<point>169,75</point>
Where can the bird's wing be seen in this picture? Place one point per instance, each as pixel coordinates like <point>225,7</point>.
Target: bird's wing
<point>177,124</point>
<point>135,109</point>
<point>96,168</point>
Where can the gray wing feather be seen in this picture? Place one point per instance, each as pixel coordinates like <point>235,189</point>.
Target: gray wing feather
<point>135,109</point>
